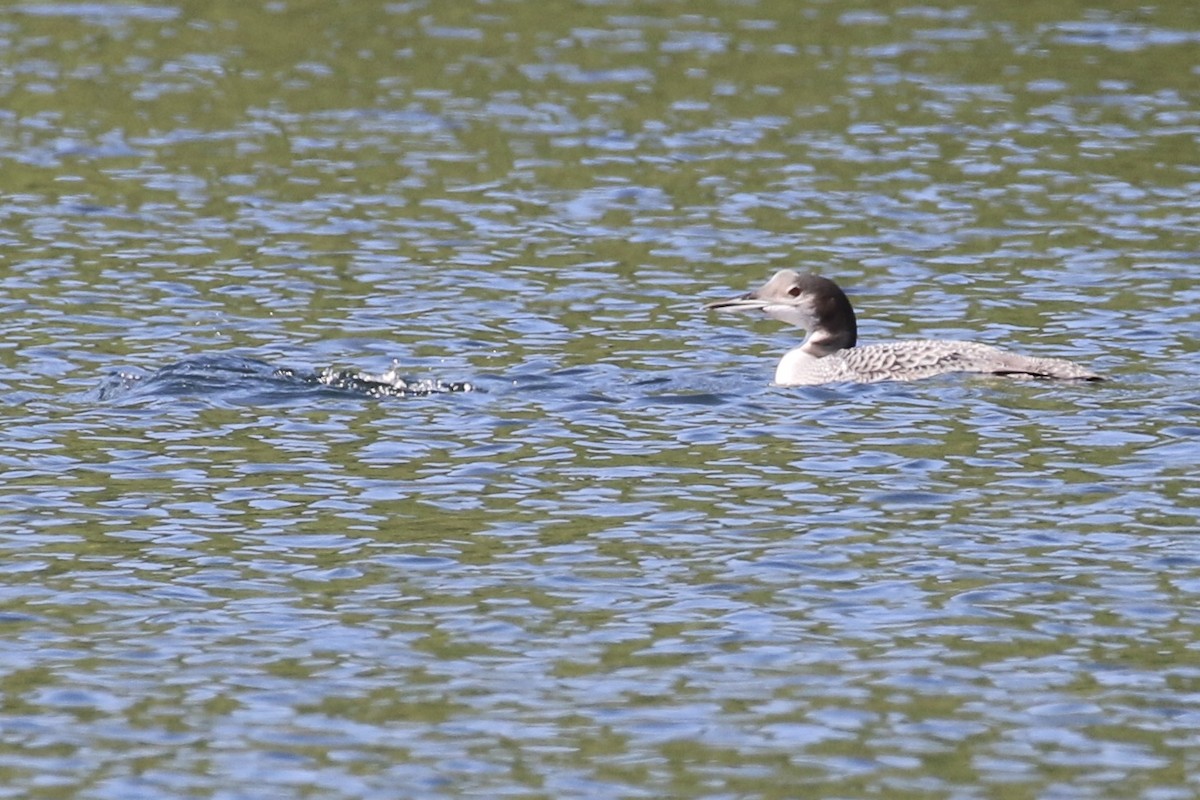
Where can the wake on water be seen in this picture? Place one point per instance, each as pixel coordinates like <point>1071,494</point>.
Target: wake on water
<point>258,380</point>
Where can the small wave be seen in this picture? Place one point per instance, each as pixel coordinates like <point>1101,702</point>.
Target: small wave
<point>253,380</point>
<point>385,384</point>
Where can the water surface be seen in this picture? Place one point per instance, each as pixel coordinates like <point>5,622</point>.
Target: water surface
<point>625,565</point>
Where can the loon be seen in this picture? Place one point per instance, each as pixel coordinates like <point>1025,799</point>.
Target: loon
<point>828,353</point>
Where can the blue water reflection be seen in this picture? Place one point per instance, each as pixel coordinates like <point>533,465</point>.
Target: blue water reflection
<point>242,560</point>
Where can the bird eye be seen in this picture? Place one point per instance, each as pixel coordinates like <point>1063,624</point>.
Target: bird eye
<point>794,291</point>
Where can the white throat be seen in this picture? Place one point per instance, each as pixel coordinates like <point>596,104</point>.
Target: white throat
<point>820,343</point>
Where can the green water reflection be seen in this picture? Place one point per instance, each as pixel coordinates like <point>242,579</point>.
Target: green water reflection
<point>629,567</point>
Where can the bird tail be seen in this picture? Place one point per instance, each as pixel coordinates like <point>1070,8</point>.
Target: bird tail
<point>1056,368</point>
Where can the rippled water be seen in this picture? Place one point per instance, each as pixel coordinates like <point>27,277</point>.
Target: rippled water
<point>624,564</point>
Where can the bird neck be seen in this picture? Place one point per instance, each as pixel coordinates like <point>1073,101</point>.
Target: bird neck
<point>822,342</point>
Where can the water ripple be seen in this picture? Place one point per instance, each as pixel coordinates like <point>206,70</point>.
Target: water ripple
<point>247,554</point>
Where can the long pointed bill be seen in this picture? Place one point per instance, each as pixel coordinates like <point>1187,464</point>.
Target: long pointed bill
<point>745,302</point>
